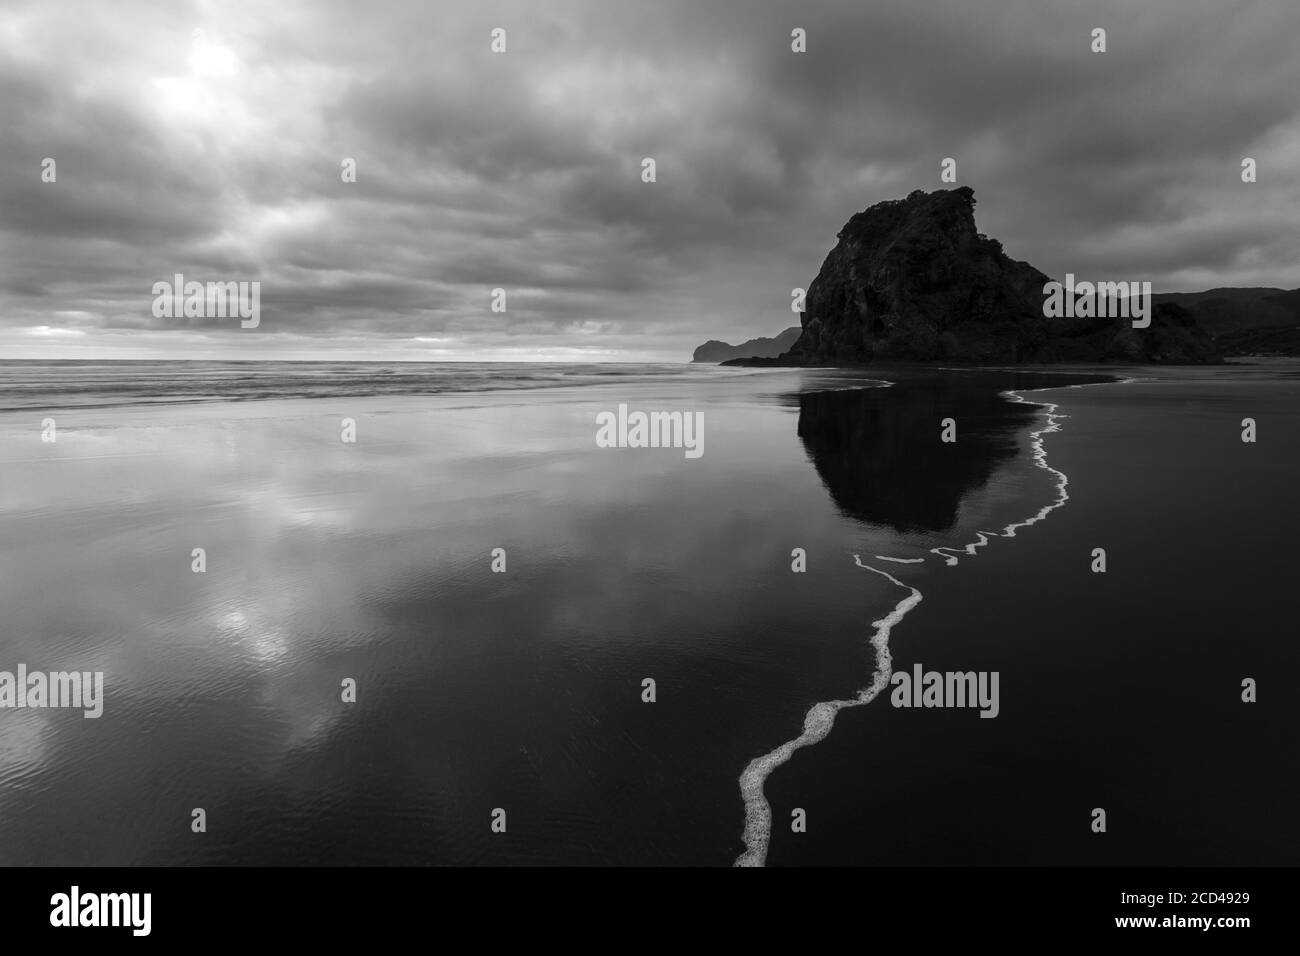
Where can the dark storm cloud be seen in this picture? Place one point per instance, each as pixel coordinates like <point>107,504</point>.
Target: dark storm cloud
<point>522,170</point>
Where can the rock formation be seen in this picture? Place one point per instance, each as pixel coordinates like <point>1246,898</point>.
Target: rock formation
<point>715,351</point>
<point>912,280</point>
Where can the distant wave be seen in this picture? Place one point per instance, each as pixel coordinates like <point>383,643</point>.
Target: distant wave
<point>36,385</point>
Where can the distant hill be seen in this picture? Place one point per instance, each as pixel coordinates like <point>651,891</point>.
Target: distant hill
<point>1259,321</point>
<point>714,351</point>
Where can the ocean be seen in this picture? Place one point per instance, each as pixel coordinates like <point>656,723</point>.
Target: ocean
<point>437,643</point>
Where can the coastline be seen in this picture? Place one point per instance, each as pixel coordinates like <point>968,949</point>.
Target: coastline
<point>592,774</point>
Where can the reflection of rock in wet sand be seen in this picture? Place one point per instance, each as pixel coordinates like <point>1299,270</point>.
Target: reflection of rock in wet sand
<point>877,450</point>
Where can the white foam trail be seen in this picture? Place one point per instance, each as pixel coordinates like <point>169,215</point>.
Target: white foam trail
<point>951,559</point>
<point>820,718</point>
<point>817,724</point>
<point>1039,456</point>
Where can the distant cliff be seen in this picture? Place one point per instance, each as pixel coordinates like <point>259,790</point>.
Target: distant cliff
<point>912,280</point>
<point>715,351</point>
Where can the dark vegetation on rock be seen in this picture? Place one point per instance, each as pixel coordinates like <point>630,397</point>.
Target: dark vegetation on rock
<point>913,280</point>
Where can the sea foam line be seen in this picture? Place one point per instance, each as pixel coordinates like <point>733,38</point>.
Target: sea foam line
<point>1039,456</point>
<point>817,724</point>
<point>820,718</point>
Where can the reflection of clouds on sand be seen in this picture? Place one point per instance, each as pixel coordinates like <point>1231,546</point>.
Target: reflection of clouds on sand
<point>273,508</point>
<point>265,644</point>
<point>307,712</point>
<point>272,652</point>
<point>371,561</point>
<point>24,744</point>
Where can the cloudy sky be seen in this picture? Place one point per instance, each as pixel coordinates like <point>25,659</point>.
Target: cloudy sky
<point>217,154</point>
